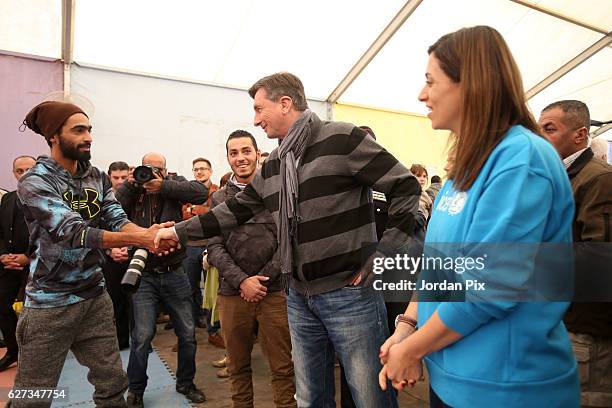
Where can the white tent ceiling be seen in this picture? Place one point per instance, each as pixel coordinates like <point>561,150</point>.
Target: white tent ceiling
<point>31,27</point>
<point>234,43</point>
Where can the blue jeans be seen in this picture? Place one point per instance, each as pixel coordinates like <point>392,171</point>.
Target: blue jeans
<point>193,267</point>
<point>351,323</point>
<point>173,290</point>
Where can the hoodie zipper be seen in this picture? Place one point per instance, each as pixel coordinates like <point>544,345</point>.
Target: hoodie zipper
<point>84,233</point>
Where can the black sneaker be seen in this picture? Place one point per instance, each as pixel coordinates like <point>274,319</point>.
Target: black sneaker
<point>134,400</point>
<point>201,322</point>
<point>192,393</point>
<point>7,361</point>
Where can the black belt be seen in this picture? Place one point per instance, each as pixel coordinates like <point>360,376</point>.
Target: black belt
<point>164,269</point>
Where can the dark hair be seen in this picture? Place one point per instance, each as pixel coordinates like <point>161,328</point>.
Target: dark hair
<point>24,156</point>
<point>224,179</point>
<point>492,96</point>
<point>282,84</point>
<point>118,165</point>
<point>200,159</point>
<point>418,169</point>
<point>435,179</point>
<point>236,134</point>
<point>576,113</point>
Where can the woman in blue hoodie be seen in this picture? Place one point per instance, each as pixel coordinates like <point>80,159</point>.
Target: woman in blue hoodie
<point>506,187</point>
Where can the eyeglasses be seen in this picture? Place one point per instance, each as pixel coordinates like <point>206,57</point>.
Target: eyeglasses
<point>196,169</point>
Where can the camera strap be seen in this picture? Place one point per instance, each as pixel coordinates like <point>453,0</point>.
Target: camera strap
<point>157,208</point>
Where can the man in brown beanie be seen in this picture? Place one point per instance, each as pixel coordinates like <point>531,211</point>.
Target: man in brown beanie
<point>67,205</point>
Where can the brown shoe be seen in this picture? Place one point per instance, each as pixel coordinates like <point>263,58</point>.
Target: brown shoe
<point>175,347</point>
<point>216,340</point>
<point>162,318</point>
<point>223,373</point>
<point>220,363</point>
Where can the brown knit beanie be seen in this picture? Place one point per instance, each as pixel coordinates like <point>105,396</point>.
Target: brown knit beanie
<point>47,118</point>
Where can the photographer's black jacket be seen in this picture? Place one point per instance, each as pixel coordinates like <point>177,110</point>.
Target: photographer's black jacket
<point>147,209</point>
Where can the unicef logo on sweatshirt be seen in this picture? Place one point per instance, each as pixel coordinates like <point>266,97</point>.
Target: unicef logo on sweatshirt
<point>452,204</point>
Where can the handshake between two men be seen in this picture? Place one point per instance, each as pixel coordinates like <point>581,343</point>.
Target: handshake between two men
<point>160,239</point>
<point>166,238</point>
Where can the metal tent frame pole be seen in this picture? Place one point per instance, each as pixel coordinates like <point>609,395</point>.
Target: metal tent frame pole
<point>373,50</point>
<point>67,41</point>
<point>570,65</point>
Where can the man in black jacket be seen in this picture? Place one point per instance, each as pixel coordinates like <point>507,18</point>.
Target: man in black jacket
<point>14,260</point>
<point>250,290</point>
<point>164,279</point>
<point>115,264</point>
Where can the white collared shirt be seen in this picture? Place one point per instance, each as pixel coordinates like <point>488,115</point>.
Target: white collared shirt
<point>569,160</point>
<point>237,183</point>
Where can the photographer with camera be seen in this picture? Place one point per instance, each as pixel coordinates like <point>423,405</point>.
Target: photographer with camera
<point>150,196</point>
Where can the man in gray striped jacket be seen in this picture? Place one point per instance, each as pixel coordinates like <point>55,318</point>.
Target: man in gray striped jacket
<point>317,186</point>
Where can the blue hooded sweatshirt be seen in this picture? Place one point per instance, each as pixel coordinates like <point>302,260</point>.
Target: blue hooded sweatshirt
<point>512,354</point>
<point>66,216</point>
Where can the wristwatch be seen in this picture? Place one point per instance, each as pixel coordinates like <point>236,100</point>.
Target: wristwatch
<point>402,318</point>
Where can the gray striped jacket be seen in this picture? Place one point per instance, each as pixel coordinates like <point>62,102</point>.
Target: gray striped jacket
<point>336,234</point>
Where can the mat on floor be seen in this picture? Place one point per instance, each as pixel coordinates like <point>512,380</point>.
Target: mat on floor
<point>160,389</point>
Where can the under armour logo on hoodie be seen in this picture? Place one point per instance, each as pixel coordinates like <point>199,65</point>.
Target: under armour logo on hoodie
<point>87,203</point>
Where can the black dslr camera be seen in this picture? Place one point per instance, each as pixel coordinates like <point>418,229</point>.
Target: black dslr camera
<point>145,173</point>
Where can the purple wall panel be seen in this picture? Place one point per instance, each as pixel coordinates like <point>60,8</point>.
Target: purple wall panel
<point>24,82</point>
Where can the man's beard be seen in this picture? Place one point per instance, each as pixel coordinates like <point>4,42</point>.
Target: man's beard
<point>246,176</point>
<point>73,152</point>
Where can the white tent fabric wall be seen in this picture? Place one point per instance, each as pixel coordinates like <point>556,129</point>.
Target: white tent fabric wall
<point>135,114</point>
<point>540,44</point>
<point>320,42</point>
<point>590,82</point>
<point>231,43</point>
<point>31,27</point>
<point>234,43</point>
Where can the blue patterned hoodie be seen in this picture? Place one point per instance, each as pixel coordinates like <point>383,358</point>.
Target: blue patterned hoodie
<point>66,216</point>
